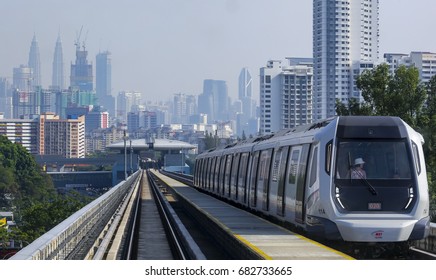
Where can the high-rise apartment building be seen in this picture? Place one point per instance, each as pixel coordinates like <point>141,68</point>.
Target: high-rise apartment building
<point>58,75</point>
<point>285,95</point>
<point>21,131</point>
<point>47,134</point>
<point>425,62</point>
<point>35,63</point>
<point>345,37</point>
<point>64,137</point>
<point>103,82</point>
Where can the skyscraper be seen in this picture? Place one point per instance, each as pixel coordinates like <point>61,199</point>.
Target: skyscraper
<point>214,101</point>
<point>81,72</point>
<point>248,105</point>
<point>58,81</point>
<point>35,63</point>
<point>103,81</point>
<point>345,41</point>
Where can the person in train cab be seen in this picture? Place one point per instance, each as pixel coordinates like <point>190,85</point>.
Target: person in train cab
<point>357,171</point>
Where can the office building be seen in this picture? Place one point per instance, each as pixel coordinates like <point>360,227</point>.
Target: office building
<point>214,101</point>
<point>126,101</point>
<point>103,82</point>
<point>81,72</point>
<point>5,98</point>
<point>184,106</point>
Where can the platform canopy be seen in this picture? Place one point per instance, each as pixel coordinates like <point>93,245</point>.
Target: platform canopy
<point>158,145</point>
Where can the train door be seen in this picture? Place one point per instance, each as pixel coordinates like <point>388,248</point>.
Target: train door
<point>242,178</point>
<point>301,185</point>
<point>227,175</point>
<point>217,172</point>
<point>212,172</point>
<point>221,175</point>
<point>207,173</point>
<point>234,177</point>
<point>263,177</point>
<point>281,159</point>
<point>254,174</point>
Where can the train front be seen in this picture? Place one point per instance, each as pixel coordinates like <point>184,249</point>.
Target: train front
<point>380,189</point>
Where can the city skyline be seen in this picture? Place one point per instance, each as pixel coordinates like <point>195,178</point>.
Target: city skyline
<point>194,39</point>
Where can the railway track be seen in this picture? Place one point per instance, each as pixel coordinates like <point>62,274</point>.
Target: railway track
<point>161,229</point>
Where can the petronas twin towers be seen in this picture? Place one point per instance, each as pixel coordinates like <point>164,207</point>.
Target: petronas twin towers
<point>34,63</point>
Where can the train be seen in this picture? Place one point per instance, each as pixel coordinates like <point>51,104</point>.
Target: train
<point>303,177</point>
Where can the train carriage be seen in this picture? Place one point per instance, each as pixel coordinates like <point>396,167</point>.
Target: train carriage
<point>305,177</point>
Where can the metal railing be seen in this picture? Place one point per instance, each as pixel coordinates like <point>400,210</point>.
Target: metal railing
<point>74,237</point>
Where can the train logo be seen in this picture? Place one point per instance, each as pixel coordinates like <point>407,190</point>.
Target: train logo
<point>377,234</point>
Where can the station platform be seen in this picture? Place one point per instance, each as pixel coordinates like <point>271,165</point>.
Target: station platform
<point>259,237</point>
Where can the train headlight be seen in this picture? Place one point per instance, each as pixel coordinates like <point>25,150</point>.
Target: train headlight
<point>410,197</point>
<point>337,195</point>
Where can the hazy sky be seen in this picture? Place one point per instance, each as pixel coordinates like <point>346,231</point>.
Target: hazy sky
<point>163,47</point>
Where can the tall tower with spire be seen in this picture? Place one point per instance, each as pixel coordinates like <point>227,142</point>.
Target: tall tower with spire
<point>34,62</point>
<point>58,66</point>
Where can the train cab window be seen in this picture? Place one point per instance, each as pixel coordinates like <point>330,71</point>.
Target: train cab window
<point>416,157</point>
<point>314,167</point>
<point>380,159</point>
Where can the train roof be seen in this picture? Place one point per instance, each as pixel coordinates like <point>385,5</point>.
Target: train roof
<point>357,126</point>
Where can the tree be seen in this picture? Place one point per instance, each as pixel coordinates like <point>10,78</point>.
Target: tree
<point>374,86</point>
<point>353,108</point>
<point>401,94</point>
<point>22,182</point>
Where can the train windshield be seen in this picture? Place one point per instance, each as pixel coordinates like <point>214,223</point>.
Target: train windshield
<point>374,175</point>
<point>373,160</point>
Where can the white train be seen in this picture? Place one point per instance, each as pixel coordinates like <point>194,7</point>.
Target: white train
<point>306,177</point>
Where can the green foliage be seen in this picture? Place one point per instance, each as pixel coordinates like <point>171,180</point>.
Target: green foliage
<point>43,216</point>
<point>30,194</point>
<point>353,108</point>
<point>22,181</point>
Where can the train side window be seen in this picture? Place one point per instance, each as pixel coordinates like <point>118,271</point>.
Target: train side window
<point>314,168</point>
<point>293,166</point>
<point>416,157</point>
<point>328,156</point>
